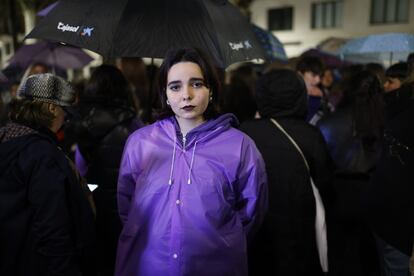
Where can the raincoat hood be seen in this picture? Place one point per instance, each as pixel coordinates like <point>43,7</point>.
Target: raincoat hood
<point>203,131</point>
<point>281,93</point>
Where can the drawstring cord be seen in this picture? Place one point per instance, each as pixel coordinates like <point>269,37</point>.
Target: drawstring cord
<point>172,161</point>
<point>191,164</point>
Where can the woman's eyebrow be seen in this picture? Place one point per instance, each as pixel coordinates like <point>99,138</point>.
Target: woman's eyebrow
<point>196,79</point>
<point>173,82</point>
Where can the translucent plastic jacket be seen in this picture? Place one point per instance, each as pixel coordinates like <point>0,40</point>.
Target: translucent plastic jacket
<point>189,204</point>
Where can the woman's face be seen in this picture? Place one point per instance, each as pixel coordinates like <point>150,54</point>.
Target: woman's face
<point>311,79</point>
<point>391,84</point>
<point>187,93</point>
<point>59,114</point>
<point>327,78</point>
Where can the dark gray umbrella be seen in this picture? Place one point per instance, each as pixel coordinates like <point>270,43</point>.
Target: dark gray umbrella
<point>148,28</point>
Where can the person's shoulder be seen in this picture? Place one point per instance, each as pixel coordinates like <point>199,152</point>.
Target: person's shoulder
<point>40,149</point>
<point>150,131</point>
<point>40,143</point>
<point>254,124</point>
<point>340,118</point>
<point>236,134</point>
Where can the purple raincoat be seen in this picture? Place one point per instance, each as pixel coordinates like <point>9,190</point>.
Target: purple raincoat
<point>188,204</point>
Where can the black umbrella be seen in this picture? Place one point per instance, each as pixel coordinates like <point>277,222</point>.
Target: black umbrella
<point>148,28</point>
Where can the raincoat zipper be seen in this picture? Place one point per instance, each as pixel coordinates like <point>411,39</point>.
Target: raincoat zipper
<point>184,140</point>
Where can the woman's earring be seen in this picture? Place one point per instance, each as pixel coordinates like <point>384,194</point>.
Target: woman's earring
<point>211,99</point>
<point>168,102</point>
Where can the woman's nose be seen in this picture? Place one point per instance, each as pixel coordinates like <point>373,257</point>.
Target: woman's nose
<point>187,93</point>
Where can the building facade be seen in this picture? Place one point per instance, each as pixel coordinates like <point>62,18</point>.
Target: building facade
<point>303,24</point>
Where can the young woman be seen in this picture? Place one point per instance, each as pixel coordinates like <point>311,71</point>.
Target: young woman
<point>191,188</point>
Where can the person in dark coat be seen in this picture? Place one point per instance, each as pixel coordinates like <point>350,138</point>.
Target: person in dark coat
<point>388,200</point>
<point>353,134</point>
<point>285,244</point>
<point>106,118</point>
<point>46,222</point>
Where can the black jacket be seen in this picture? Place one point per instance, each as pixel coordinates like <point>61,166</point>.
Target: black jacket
<point>285,244</point>
<point>101,133</point>
<point>46,222</point>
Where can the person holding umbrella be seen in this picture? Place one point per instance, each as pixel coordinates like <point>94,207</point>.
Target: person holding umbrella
<point>191,188</point>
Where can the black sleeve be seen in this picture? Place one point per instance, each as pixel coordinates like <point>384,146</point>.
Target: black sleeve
<point>51,224</point>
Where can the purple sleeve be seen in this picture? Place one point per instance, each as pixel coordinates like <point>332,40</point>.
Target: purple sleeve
<point>126,184</point>
<point>252,188</point>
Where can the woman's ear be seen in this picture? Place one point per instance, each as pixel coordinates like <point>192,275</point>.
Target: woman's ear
<point>52,108</point>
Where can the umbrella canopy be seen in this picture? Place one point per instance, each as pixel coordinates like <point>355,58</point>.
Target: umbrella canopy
<point>149,28</point>
<point>382,46</point>
<point>46,10</point>
<point>54,55</point>
<point>331,45</point>
<point>272,45</point>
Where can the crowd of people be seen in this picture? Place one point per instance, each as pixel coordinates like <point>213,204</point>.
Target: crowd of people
<point>292,169</point>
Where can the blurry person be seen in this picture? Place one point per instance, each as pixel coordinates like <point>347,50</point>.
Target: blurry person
<point>311,69</point>
<point>353,134</point>
<point>135,72</point>
<point>392,183</point>
<point>327,85</point>
<point>37,68</point>
<point>238,96</point>
<point>327,79</point>
<point>46,223</point>
<point>377,69</point>
<point>9,92</point>
<point>395,76</point>
<point>105,120</point>
<point>286,243</point>
<point>412,263</point>
<point>191,188</point>
<point>410,68</point>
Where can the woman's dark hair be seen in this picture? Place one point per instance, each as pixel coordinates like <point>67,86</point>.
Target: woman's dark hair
<point>209,74</point>
<point>310,64</point>
<point>364,93</point>
<point>398,71</point>
<point>35,114</point>
<point>107,83</point>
